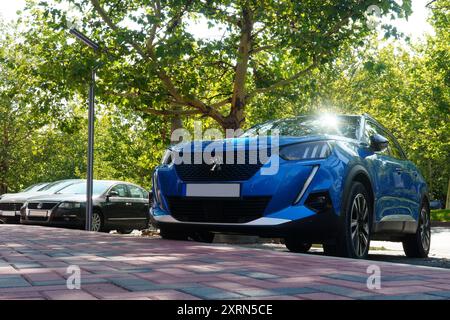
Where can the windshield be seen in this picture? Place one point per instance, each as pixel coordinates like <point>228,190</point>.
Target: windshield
<point>35,187</point>
<point>80,188</point>
<point>57,185</point>
<point>346,126</point>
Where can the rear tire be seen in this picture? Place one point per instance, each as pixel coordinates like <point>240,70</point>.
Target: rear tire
<point>172,235</point>
<point>354,237</point>
<point>418,245</point>
<point>125,231</point>
<point>294,245</point>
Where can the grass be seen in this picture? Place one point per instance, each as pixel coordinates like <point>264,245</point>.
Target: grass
<point>442,215</point>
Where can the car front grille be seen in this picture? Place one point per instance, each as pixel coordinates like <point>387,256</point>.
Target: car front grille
<point>36,218</point>
<point>41,205</point>
<point>10,206</point>
<point>243,167</point>
<point>218,210</point>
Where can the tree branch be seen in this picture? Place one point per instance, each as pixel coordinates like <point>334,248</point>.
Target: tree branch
<point>282,82</point>
<point>262,48</point>
<point>165,112</point>
<point>161,73</point>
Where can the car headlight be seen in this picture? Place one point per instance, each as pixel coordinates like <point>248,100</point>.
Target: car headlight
<point>306,151</point>
<point>167,157</point>
<point>69,205</point>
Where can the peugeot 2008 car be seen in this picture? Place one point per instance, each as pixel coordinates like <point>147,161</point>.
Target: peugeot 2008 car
<point>339,180</point>
<point>118,206</point>
<point>10,204</point>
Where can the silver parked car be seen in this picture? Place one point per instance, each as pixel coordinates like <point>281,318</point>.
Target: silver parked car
<point>11,203</point>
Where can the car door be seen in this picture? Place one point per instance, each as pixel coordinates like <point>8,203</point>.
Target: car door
<point>139,199</point>
<point>391,201</point>
<point>118,204</point>
<point>409,177</point>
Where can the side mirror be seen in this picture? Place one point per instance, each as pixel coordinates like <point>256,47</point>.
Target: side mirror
<point>112,194</point>
<point>378,142</point>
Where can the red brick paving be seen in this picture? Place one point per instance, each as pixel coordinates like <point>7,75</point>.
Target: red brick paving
<point>34,261</point>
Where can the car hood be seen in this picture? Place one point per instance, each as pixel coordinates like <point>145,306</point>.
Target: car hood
<point>250,143</point>
<point>19,197</point>
<point>61,197</point>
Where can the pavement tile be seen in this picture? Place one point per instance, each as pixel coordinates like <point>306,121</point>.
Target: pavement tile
<point>68,295</point>
<point>211,293</point>
<point>13,282</point>
<point>322,296</point>
<point>445,294</point>
<point>403,297</point>
<point>342,291</point>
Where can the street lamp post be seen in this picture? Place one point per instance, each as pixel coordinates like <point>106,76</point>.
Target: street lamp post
<point>91,117</point>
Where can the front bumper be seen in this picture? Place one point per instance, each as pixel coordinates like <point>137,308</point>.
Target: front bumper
<point>54,218</point>
<point>317,227</point>
<point>288,211</point>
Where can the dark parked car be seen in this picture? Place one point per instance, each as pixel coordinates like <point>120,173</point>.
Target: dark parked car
<point>336,180</point>
<point>118,206</point>
<point>11,203</point>
<point>436,204</point>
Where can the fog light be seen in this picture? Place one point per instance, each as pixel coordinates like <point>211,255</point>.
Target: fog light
<point>319,202</point>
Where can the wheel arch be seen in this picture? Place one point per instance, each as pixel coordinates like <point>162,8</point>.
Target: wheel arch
<point>358,174</point>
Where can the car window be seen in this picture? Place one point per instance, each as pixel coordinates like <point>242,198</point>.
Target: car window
<point>393,148</point>
<point>121,189</point>
<point>99,187</point>
<point>135,192</point>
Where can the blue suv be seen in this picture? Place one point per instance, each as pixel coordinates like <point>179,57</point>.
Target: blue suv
<point>338,180</point>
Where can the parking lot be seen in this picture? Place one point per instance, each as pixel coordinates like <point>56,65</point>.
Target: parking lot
<point>34,264</point>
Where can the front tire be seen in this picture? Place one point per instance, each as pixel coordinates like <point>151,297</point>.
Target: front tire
<point>97,222</point>
<point>354,238</point>
<point>294,245</point>
<point>418,245</point>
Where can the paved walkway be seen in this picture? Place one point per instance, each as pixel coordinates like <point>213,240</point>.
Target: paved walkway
<point>34,262</point>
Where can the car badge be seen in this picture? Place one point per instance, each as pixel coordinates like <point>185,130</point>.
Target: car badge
<point>39,206</point>
<point>216,164</point>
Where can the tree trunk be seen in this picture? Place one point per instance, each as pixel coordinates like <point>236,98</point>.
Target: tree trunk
<point>447,203</point>
<point>175,123</point>
<point>430,178</point>
<point>236,117</point>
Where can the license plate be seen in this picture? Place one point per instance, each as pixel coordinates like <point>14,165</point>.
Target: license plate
<point>8,213</point>
<point>38,213</point>
<point>222,190</point>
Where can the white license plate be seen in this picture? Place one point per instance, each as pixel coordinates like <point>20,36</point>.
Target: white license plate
<point>8,213</point>
<point>222,190</point>
<point>38,213</point>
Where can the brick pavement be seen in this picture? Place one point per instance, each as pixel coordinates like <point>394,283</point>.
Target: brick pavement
<point>34,261</point>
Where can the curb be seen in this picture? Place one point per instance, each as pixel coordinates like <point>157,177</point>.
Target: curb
<point>445,224</point>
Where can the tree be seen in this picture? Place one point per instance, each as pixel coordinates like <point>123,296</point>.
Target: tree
<point>155,64</point>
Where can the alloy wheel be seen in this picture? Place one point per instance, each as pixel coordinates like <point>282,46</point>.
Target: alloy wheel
<point>96,222</point>
<point>425,229</point>
<point>359,225</point>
